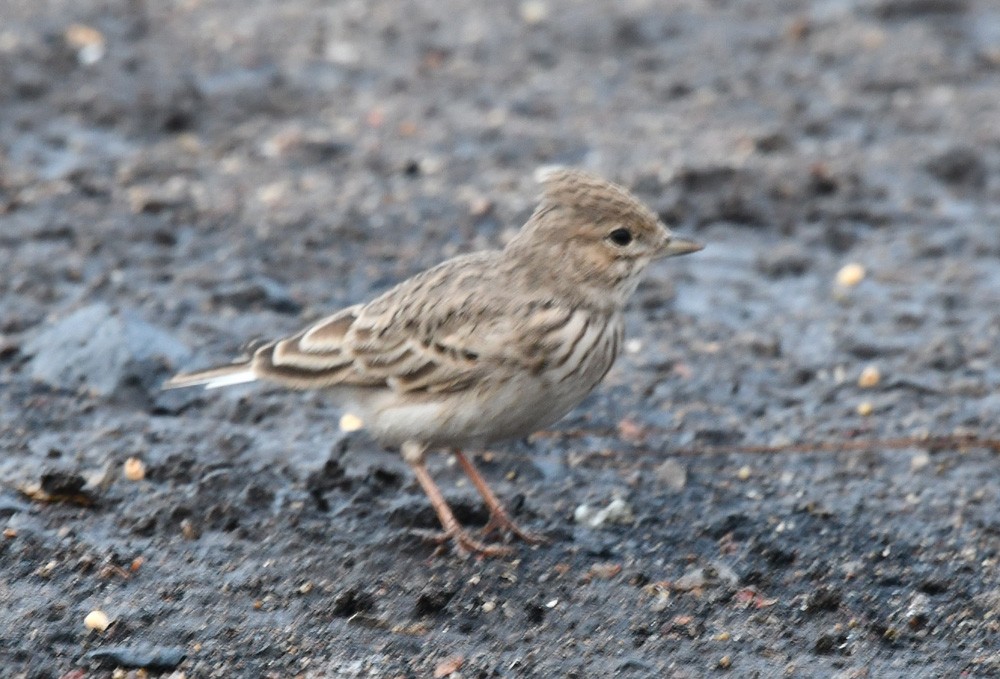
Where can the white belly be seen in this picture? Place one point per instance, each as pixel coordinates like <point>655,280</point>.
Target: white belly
<point>496,409</point>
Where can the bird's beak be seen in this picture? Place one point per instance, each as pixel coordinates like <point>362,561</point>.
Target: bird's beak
<point>679,246</point>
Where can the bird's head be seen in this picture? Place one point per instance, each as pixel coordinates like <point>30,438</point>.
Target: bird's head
<point>604,234</point>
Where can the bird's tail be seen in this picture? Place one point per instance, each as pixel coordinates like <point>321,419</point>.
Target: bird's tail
<point>240,372</point>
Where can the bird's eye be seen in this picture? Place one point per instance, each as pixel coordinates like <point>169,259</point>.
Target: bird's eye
<point>620,237</point>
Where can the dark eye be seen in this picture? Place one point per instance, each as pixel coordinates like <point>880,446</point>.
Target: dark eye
<point>620,237</point>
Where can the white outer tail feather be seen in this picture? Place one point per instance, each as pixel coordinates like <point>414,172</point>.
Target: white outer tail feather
<point>213,378</point>
<point>229,380</point>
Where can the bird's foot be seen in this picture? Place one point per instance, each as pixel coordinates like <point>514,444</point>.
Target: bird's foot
<point>465,544</point>
<point>499,520</point>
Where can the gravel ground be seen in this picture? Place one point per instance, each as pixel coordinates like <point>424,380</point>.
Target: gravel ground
<point>177,177</point>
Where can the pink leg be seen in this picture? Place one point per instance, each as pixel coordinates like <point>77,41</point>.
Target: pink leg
<point>453,530</point>
<point>499,518</point>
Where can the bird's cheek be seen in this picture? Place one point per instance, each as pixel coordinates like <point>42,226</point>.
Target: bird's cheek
<point>623,269</point>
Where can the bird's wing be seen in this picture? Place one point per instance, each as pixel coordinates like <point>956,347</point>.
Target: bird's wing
<point>439,332</point>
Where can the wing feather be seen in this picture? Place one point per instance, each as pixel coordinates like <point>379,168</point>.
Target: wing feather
<point>427,335</point>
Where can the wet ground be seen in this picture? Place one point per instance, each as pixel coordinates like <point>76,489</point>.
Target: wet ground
<point>178,177</point>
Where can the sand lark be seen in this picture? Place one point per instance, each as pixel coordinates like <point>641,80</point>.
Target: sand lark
<point>483,347</point>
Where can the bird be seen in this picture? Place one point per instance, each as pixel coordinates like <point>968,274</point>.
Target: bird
<point>484,347</point>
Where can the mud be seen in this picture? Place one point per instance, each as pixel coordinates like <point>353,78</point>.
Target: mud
<point>176,178</point>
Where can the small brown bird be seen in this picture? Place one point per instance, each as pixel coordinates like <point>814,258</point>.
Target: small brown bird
<point>483,347</point>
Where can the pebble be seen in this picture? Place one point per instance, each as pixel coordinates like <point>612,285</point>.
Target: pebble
<point>783,261</point>
<point>172,194</point>
<point>260,291</point>
<point>350,422</point>
<point>88,42</point>
<point>714,575</point>
<point>919,611</point>
<point>134,469</point>
<point>920,461</point>
<point>97,620</point>
<point>672,474</point>
<point>850,275</point>
<point>617,512</point>
<point>534,12</point>
<point>870,377</point>
<point>633,346</point>
<point>959,166</point>
<point>152,658</point>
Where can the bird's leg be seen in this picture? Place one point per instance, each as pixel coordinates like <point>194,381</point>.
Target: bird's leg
<point>499,518</point>
<point>414,455</point>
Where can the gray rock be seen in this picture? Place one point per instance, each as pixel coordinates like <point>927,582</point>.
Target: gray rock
<point>153,658</point>
<point>103,352</point>
<point>261,292</point>
<point>672,475</point>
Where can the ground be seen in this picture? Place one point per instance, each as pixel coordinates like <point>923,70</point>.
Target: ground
<point>179,177</point>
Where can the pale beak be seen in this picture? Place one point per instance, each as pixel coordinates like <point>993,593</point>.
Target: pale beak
<point>679,246</point>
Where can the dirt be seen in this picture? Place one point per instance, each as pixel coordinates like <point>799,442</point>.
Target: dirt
<point>176,178</point>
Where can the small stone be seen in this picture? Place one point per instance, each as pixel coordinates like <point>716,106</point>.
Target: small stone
<point>159,197</point>
<point>744,473</point>
<point>273,194</point>
<point>189,530</point>
<point>583,513</point>
<point>672,474</point>
<point>725,662</point>
<point>145,658</point>
<point>534,12</point>
<point>88,42</point>
<point>865,408</point>
<point>693,579</point>
<point>829,643</point>
<point>260,291</point>
<point>850,275</point>
<point>618,511</point>
<point>350,422</point>
<point>784,261</point>
<point>919,611</point>
<point>480,206</point>
<point>633,346</point>
<point>603,571</point>
<point>433,600</point>
<point>661,596</point>
<point>343,53</point>
<point>870,377</point>
<point>920,461</point>
<point>134,469</point>
<point>449,666</point>
<point>97,620</point>
<point>823,599</point>
<point>959,167</point>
